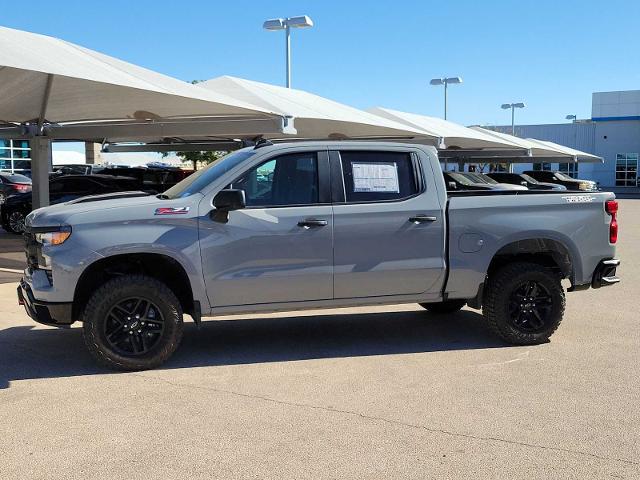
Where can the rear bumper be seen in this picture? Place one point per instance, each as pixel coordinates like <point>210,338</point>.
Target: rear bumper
<point>605,273</point>
<point>47,313</point>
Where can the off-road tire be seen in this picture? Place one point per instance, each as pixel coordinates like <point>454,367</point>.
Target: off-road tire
<point>498,294</point>
<point>442,308</point>
<point>117,290</point>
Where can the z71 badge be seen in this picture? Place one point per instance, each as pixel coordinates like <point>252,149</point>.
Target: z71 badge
<point>172,211</point>
<point>579,199</point>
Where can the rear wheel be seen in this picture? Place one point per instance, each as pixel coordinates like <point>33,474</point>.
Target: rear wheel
<point>524,303</point>
<point>132,322</point>
<point>449,306</point>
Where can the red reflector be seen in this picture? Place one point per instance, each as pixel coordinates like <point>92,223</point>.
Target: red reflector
<point>613,231</point>
<point>611,207</point>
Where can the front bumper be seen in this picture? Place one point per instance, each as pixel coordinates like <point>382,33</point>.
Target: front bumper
<point>605,273</point>
<point>47,313</point>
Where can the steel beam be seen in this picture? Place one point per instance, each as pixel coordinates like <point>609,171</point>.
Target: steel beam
<point>40,165</point>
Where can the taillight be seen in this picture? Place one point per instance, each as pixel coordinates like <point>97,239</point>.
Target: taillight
<point>611,207</point>
<point>22,187</point>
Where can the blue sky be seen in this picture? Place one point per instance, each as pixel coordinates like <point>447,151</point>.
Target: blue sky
<point>550,54</point>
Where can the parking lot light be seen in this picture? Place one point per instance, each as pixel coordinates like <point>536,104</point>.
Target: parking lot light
<point>287,24</point>
<point>445,81</point>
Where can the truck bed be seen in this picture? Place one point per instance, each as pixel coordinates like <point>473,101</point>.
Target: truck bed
<point>482,224</point>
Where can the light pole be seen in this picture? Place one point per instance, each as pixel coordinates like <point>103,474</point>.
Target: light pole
<point>287,24</point>
<point>513,106</point>
<point>445,82</point>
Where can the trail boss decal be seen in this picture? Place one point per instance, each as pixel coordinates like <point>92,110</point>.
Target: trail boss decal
<point>579,199</point>
<point>172,211</point>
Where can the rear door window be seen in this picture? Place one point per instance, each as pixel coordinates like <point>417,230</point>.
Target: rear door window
<point>371,176</point>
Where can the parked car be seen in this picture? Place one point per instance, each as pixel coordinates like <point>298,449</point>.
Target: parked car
<point>524,180</point>
<point>61,189</point>
<point>12,184</point>
<point>75,169</point>
<point>482,178</point>
<point>151,179</point>
<point>310,225</point>
<point>560,178</point>
<point>457,181</point>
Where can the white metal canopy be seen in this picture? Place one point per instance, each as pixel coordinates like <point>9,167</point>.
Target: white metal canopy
<point>315,117</point>
<point>543,150</point>
<point>452,134</point>
<point>45,78</point>
<point>578,155</point>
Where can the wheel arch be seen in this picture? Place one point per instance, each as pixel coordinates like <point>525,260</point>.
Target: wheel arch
<point>548,252</point>
<point>156,265</point>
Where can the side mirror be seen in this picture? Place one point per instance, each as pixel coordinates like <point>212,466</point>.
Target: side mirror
<point>524,184</point>
<point>452,186</point>
<point>226,201</point>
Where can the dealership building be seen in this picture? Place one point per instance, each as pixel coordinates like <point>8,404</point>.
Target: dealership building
<point>612,132</point>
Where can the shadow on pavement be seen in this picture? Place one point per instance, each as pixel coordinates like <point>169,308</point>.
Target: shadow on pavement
<point>52,353</point>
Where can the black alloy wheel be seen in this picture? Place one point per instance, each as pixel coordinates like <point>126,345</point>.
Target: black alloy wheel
<point>530,307</point>
<point>132,322</point>
<point>16,221</point>
<point>134,326</point>
<point>524,302</point>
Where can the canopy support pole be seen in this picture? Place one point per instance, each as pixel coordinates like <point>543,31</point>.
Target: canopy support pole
<point>40,163</point>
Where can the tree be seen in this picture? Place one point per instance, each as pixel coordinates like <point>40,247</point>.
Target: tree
<point>199,158</point>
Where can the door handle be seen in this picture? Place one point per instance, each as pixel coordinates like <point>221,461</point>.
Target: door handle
<point>312,222</point>
<point>422,219</point>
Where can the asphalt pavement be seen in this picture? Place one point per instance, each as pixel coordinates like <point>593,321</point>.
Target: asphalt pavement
<point>383,392</point>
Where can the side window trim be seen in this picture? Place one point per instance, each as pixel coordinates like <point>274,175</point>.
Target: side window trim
<point>338,184</point>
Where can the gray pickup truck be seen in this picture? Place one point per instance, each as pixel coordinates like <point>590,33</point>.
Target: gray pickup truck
<point>310,225</point>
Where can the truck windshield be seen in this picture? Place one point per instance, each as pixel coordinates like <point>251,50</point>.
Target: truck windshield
<point>197,181</point>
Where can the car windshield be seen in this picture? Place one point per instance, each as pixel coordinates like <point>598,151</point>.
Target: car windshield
<point>17,178</point>
<point>562,176</point>
<point>528,178</point>
<point>458,177</point>
<point>481,178</point>
<point>197,181</point>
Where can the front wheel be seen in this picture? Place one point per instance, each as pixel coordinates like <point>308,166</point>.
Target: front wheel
<point>133,322</point>
<point>524,303</point>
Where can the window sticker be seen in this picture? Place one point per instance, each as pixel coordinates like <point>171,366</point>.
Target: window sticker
<point>375,177</point>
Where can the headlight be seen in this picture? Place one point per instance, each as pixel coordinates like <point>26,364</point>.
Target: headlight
<point>53,238</point>
<point>585,186</point>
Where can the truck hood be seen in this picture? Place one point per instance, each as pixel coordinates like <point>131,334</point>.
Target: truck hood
<point>59,214</point>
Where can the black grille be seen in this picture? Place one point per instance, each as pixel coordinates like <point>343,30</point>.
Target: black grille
<point>31,250</point>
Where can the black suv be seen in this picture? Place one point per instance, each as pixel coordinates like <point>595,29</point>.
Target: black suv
<point>62,189</point>
<point>560,178</point>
